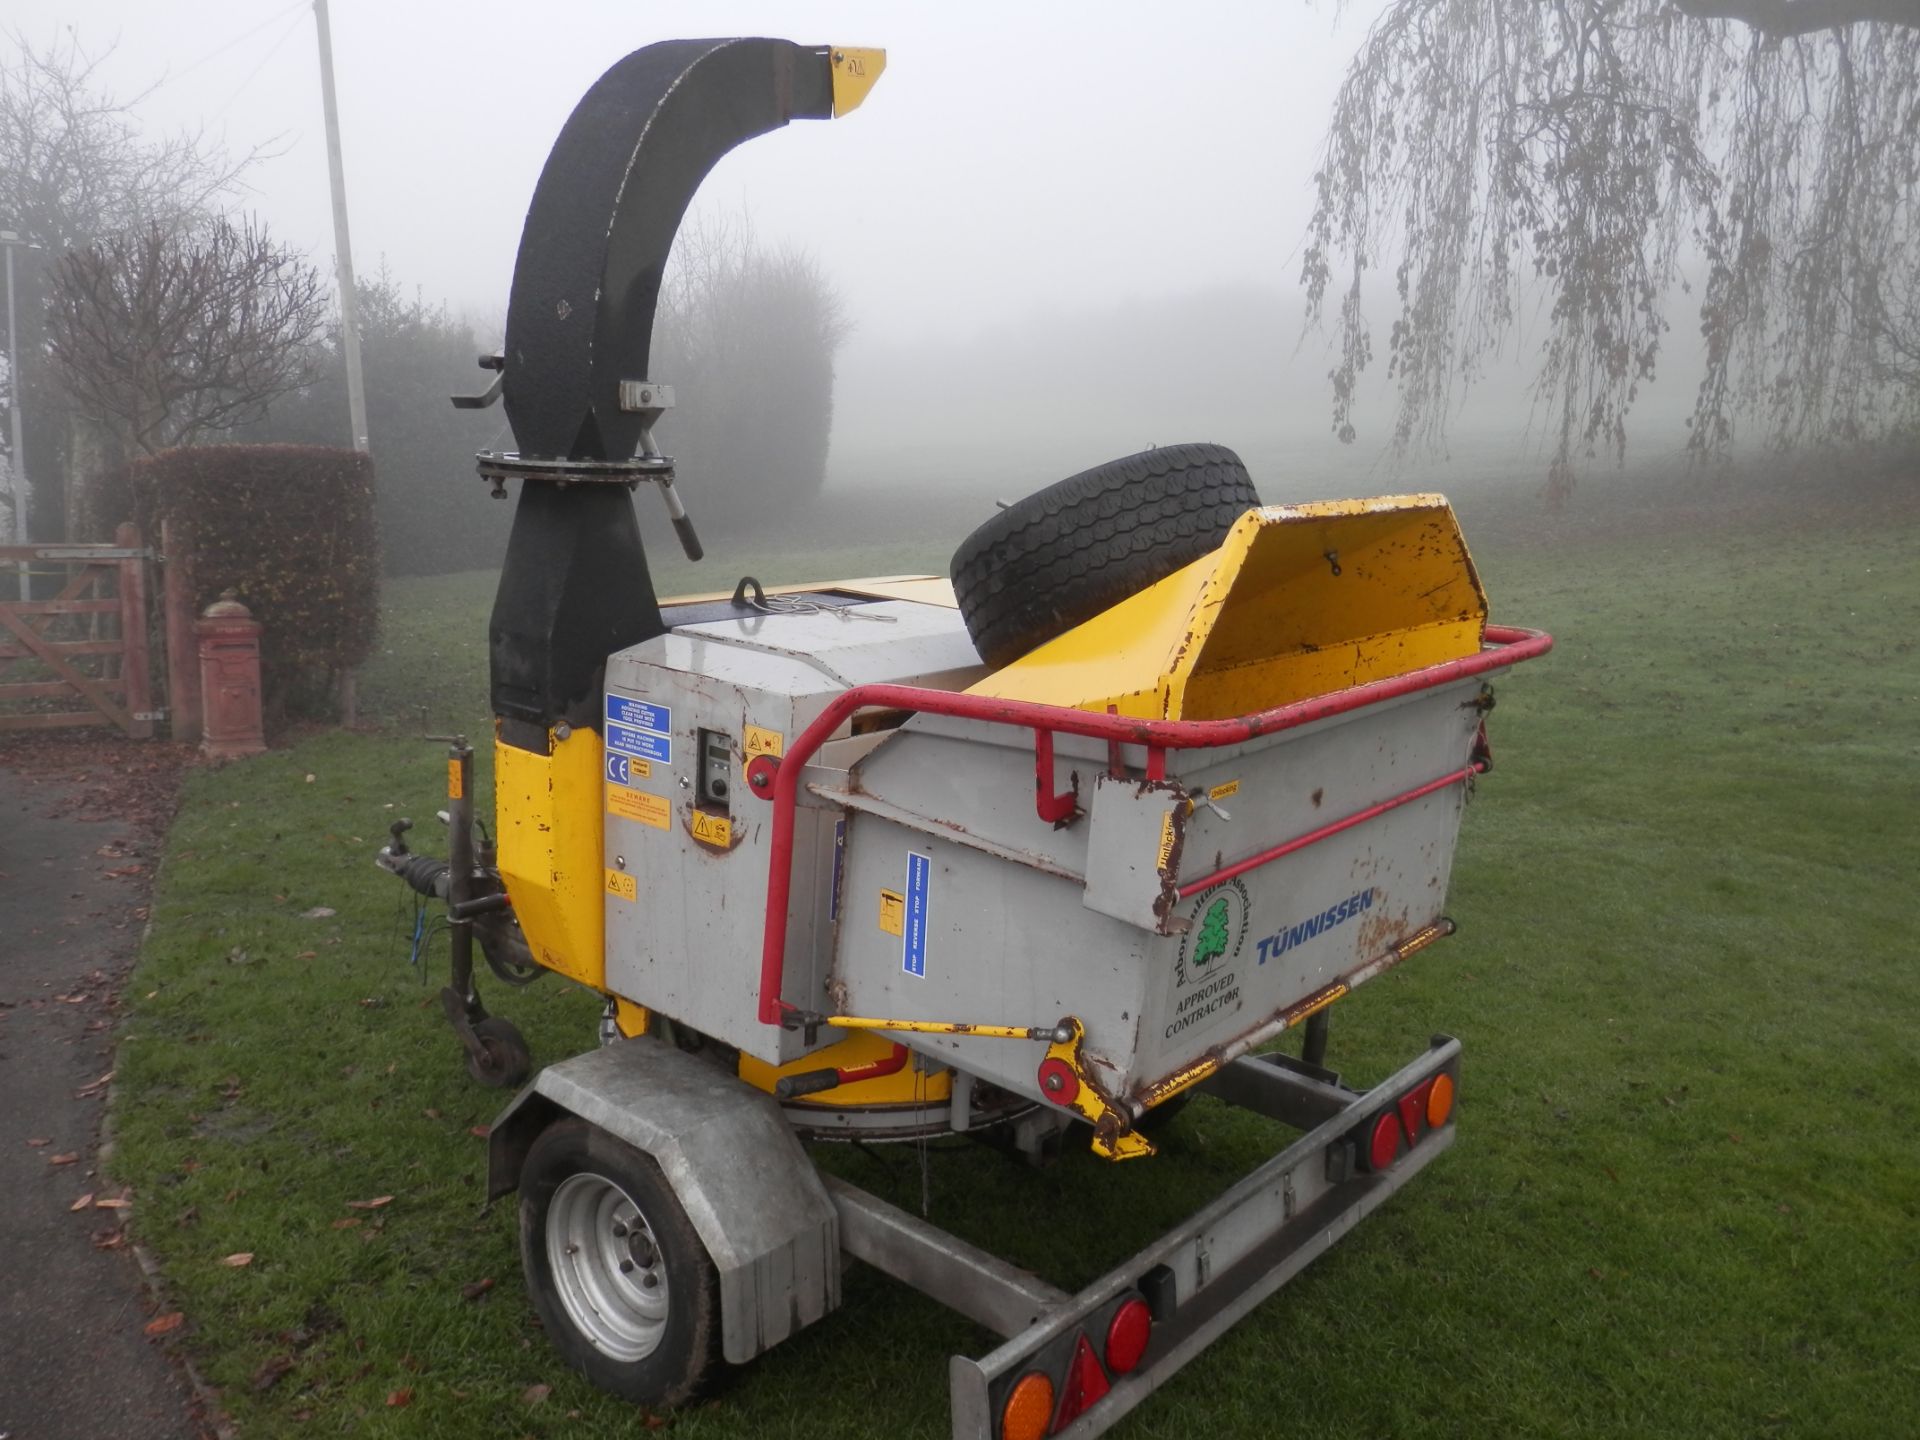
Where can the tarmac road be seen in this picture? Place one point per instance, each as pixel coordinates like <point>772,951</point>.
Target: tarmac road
<point>74,1362</point>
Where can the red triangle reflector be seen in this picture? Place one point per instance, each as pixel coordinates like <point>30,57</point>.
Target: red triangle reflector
<point>1086,1386</point>
<point>1413,1109</point>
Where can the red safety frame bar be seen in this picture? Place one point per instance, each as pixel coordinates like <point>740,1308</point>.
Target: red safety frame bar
<point>1507,645</point>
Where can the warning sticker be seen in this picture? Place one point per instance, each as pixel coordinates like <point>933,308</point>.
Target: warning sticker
<point>765,742</point>
<point>625,770</point>
<point>893,912</point>
<point>712,829</point>
<point>639,805</point>
<point>1166,843</point>
<point>913,944</point>
<point>622,884</point>
<point>1221,792</point>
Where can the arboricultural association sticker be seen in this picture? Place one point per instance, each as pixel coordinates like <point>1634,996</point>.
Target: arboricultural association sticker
<point>1205,983</point>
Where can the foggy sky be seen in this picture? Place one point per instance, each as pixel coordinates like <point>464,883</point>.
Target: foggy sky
<point>1019,170</point>
<point>1011,157</point>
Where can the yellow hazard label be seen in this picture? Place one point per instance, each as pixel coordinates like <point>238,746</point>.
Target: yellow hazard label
<point>712,829</point>
<point>1221,792</point>
<point>639,805</point>
<point>622,884</point>
<point>893,912</point>
<point>1166,842</point>
<point>765,742</point>
<point>454,789</point>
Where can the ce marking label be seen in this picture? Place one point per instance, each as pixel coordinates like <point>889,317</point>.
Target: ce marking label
<point>624,769</point>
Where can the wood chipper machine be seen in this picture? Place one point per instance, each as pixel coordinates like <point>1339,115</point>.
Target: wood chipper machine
<point>1160,775</point>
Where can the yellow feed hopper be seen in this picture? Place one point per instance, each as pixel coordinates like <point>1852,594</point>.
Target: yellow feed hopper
<point>1297,601</point>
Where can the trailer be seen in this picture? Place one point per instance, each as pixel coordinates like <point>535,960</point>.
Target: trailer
<point>1032,854</point>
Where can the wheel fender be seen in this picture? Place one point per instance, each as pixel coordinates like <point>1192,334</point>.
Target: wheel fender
<point>754,1198</point>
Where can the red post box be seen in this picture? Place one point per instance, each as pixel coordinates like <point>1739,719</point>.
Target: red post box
<point>229,640</point>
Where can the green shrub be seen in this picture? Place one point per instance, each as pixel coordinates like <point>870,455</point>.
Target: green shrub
<point>290,529</point>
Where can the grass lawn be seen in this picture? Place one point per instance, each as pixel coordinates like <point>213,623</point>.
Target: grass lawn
<point>1685,1199</point>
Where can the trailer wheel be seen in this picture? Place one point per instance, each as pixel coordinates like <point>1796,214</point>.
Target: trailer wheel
<point>505,1059</point>
<point>624,1287</point>
<point>1062,555</point>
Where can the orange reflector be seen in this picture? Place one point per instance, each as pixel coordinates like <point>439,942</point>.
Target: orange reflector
<point>1440,1101</point>
<point>1384,1148</point>
<point>1086,1385</point>
<point>1028,1409</point>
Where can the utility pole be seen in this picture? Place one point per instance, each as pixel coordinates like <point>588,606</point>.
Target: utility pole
<point>17,458</point>
<point>342,244</point>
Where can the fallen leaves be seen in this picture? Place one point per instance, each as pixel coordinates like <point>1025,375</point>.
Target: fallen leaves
<point>401,1398</point>
<point>166,1324</point>
<point>271,1372</point>
<point>39,1144</point>
<point>476,1289</point>
<point>83,1202</point>
<point>238,1259</point>
<point>319,912</point>
<point>373,1204</point>
<point>66,1159</point>
<point>122,1201</point>
<point>536,1394</point>
<point>347,1224</point>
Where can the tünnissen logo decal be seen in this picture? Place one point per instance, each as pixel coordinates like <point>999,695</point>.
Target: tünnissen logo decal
<point>1273,946</point>
<point>1204,982</point>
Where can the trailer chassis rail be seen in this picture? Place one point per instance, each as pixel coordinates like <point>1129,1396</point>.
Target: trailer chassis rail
<point>1199,1278</point>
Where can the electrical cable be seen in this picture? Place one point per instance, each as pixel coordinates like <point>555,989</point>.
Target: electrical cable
<point>220,50</point>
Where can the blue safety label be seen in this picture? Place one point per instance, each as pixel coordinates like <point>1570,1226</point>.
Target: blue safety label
<point>914,942</point>
<point>639,715</point>
<point>640,744</point>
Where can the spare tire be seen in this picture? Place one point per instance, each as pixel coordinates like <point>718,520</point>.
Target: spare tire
<point>1062,555</point>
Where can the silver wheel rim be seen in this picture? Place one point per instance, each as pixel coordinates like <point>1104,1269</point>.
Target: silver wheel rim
<point>607,1267</point>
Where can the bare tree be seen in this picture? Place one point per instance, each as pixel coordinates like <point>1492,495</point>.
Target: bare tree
<point>76,168</point>
<point>748,334</point>
<point>74,165</point>
<point>1580,162</point>
<point>171,335</point>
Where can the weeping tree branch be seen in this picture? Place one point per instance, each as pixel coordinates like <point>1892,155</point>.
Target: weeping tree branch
<point>1553,176</point>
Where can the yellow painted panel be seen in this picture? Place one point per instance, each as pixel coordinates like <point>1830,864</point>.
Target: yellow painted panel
<point>547,816</point>
<point>856,70</point>
<point>1297,601</point>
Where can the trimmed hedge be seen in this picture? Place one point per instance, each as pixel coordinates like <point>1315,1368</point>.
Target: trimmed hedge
<point>290,529</point>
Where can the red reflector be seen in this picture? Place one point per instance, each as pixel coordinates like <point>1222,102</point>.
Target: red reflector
<point>1384,1148</point>
<point>1413,1105</point>
<point>1086,1384</point>
<point>1127,1336</point>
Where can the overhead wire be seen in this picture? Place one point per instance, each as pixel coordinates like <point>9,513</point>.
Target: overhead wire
<point>292,25</point>
<point>241,38</point>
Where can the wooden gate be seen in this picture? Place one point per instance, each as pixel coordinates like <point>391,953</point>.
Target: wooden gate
<point>80,657</point>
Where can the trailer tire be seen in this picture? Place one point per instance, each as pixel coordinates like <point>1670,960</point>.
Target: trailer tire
<point>1063,554</point>
<point>624,1288</point>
